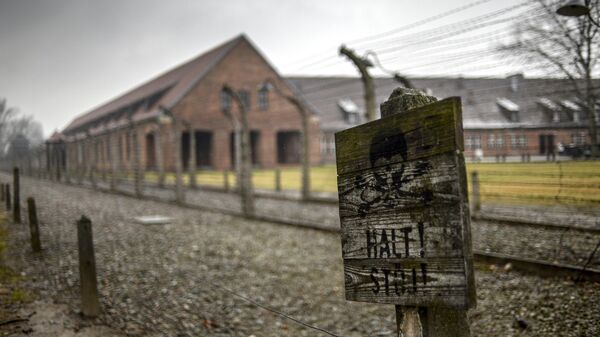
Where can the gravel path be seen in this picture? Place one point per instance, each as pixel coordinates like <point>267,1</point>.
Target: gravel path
<point>174,280</point>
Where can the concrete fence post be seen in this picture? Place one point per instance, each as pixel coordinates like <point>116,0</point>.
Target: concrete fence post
<point>176,145</point>
<point>277,179</point>
<point>90,304</point>
<point>16,196</point>
<point>475,196</point>
<point>138,170</point>
<point>226,180</point>
<point>192,158</point>
<point>159,157</point>
<point>7,197</point>
<point>114,157</point>
<point>67,158</point>
<point>34,228</point>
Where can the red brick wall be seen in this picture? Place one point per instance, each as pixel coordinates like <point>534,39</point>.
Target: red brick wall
<point>243,68</point>
<point>532,147</point>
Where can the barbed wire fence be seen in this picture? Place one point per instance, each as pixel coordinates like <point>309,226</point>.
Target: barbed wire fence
<point>147,282</point>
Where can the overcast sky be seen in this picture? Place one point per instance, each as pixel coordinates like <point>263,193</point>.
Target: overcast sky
<point>60,58</point>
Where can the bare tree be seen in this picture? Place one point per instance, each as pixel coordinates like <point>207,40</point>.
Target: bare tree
<point>6,115</point>
<point>18,134</point>
<point>27,127</point>
<point>569,47</point>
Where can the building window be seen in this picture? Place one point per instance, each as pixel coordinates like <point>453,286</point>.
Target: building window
<point>491,140</point>
<point>225,101</point>
<point>518,141</point>
<point>245,98</point>
<point>327,144</point>
<point>473,142</point>
<point>495,141</point>
<point>263,99</point>
<point>578,138</point>
<point>500,141</point>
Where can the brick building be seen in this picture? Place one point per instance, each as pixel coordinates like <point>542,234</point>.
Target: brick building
<point>109,134</point>
<point>502,117</point>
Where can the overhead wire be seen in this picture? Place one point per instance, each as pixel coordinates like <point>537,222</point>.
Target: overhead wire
<point>421,34</point>
<point>409,26</point>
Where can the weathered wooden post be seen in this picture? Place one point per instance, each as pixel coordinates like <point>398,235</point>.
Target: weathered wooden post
<point>90,305</point>
<point>16,196</point>
<point>2,191</point>
<point>404,214</point>
<point>34,228</point>
<point>476,202</point>
<point>7,197</point>
<point>278,179</point>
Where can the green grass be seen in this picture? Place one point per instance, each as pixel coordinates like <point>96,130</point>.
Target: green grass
<point>8,277</point>
<point>571,183</point>
<point>546,183</point>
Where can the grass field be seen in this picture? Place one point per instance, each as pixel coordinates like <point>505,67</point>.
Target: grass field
<point>573,182</point>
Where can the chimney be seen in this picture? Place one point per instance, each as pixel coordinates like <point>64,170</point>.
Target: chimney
<point>515,81</point>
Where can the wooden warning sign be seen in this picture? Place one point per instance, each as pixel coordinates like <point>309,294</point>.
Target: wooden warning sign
<point>403,207</point>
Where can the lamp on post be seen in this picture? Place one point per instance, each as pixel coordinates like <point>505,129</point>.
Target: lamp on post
<point>577,8</point>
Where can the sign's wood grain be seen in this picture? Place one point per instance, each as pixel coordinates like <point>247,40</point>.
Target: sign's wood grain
<point>399,138</point>
<point>402,192</point>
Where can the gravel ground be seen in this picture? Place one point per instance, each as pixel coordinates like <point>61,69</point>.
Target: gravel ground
<point>175,280</point>
<point>555,245</point>
<point>551,245</point>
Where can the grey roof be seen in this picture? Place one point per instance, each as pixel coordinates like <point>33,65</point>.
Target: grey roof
<point>480,99</point>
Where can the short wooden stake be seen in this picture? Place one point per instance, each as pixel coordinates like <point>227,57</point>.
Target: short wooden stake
<point>476,201</point>
<point>277,179</point>
<point>90,305</point>
<point>16,196</point>
<point>34,228</point>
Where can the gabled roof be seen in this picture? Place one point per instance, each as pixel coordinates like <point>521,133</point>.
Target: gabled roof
<point>166,89</point>
<point>56,137</point>
<point>479,98</point>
